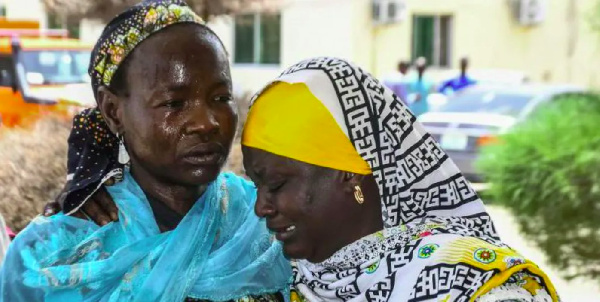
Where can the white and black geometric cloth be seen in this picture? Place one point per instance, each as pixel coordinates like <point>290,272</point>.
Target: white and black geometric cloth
<point>425,200</point>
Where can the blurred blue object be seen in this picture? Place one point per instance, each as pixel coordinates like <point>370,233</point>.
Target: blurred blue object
<point>474,117</point>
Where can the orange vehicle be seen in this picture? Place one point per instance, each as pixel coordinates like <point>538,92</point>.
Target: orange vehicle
<point>41,72</point>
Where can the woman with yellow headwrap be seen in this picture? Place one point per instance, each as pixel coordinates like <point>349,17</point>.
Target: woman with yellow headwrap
<point>367,201</point>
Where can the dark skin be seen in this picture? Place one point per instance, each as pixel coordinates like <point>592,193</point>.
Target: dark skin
<point>403,67</point>
<point>421,70</point>
<point>318,202</point>
<point>464,65</point>
<point>176,115</point>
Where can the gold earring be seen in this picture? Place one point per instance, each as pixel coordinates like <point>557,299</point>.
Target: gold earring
<point>358,195</point>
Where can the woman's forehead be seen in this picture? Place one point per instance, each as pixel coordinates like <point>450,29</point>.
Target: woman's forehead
<point>267,164</point>
<point>170,63</point>
<point>182,40</point>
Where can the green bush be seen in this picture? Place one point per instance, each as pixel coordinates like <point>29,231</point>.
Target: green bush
<point>547,171</point>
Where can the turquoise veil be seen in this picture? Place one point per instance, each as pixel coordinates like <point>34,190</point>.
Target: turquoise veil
<point>219,251</point>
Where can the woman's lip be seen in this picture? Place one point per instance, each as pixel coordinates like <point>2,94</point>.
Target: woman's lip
<point>285,233</point>
<point>211,158</point>
<point>204,153</point>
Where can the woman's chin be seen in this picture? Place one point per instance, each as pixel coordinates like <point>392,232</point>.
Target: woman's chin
<point>298,251</point>
<point>203,175</point>
<point>294,251</point>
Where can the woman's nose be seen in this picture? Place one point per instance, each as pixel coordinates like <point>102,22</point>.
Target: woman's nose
<point>264,207</point>
<point>202,121</point>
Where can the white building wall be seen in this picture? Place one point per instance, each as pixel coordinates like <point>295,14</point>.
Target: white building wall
<point>316,28</point>
<point>560,49</point>
<point>26,10</point>
<point>247,78</point>
<point>90,30</point>
<point>364,46</point>
<point>309,28</point>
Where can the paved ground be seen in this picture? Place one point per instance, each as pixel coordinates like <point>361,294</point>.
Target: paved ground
<point>573,291</point>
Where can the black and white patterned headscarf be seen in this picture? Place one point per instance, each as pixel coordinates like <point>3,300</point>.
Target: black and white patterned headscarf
<point>438,244</point>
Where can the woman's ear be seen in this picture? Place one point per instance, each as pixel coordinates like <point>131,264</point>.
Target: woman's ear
<point>110,107</point>
<point>352,180</point>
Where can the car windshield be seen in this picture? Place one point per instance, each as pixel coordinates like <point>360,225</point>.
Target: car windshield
<point>511,104</point>
<point>56,66</point>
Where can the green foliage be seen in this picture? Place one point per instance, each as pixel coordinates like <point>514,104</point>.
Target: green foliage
<point>594,17</point>
<point>547,171</point>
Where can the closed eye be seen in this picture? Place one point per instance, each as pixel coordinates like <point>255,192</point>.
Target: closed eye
<point>173,104</point>
<point>224,98</point>
<point>273,188</point>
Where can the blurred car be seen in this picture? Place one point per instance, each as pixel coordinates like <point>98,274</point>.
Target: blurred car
<point>481,76</point>
<point>42,72</point>
<point>476,116</point>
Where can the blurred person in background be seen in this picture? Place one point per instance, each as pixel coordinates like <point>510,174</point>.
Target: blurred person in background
<point>397,81</point>
<point>162,130</point>
<point>419,88</point>
<point>460,82</point>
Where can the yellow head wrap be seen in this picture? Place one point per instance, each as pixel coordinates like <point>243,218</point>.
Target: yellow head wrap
<point>288,120</point>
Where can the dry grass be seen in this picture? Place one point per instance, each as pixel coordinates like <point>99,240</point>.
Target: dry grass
<point>234,161</point>
<point>32,169</point>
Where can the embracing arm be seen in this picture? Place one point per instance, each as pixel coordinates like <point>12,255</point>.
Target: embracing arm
<point>100,208</point>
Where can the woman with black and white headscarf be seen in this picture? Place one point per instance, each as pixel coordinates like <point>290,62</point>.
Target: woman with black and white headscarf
<point>366,200</point>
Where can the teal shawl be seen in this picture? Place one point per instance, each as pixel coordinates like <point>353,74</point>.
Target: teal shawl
<point>219,251</point>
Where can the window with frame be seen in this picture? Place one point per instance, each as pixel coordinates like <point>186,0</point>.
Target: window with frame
<point>257,39</point>
<point>432,39</point>
<point>59,22</point>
